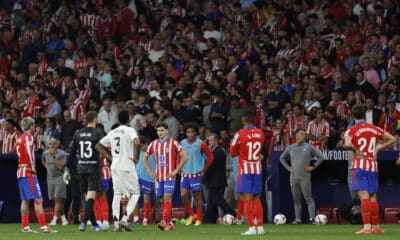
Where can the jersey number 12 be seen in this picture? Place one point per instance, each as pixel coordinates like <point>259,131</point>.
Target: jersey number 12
<point>253,150</point>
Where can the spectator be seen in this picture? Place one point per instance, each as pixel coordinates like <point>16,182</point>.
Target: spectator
<point>168,118</point>
<point>218,113</point>
<point>9,137</point>
<point>108,115</point>
<point>68,129</point>
<point>51,131</point>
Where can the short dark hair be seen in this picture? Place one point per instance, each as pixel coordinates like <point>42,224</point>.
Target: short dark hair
<point>164,125</point>
<point>191,125</point>
<point>358,111</point>
<point>248,117</point>
<point>123,117</point>
<point>90,116</point>
<point>299,130</point>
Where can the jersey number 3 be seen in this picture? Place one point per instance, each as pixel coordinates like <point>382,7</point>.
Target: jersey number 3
<point>86,150</point>
<point>253,150</point>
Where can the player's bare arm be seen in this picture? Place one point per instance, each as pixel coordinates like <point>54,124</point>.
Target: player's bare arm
<point>388,140</point>
<point>102,150</point>
<point>183,158</point>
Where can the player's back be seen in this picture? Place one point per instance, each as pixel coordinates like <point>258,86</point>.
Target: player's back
<point>85,141</point>
<point>26,155</point>
<point>249,141</point>
<point>121,140</point>
<point>365,138</point>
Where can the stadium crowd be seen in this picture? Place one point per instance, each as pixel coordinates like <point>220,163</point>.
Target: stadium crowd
<point>296,64</point>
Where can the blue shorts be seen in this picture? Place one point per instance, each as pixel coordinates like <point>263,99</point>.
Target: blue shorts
<point>192,183</point>
<point>165,187</point>
<point>105,184</point>
<point>249,183</point>
<point>145,187</point>
<point>29,188</point>
<point>362,180</point>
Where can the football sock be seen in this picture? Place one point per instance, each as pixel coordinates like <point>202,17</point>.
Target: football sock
<point>167,211</point>
<point>116,206</point>
<point>199,214</point>
<point>97,210</point>
<point>258,211</point>
<point>240,207</point>
<point>374,213</point>
<point>42,219</point>
<point>89,214</point>
<point>104,208</point>
<point>25,220</point>
<point>131,205</point>
<point>366,212</point>
<point>249,212</point>
<point>189,209</point>
<point>146,210</point>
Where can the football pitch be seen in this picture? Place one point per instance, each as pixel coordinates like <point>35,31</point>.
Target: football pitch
<point>206,232</point>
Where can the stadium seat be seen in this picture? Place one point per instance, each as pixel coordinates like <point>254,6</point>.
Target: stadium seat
<point>390,215</point>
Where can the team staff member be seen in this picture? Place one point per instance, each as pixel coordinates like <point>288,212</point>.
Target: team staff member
<point>54,160</point>
<point>300,168</point>
<point>88,166</point>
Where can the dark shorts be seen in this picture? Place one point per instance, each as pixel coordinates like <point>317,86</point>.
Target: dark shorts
<point>90,181</point>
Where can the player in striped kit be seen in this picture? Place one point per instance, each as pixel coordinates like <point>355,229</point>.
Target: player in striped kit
<point>196,150</point>
<point>101,203</point>
<point>247,144</point>
<point>363,139</point>
<point>170,159</point>
<point>145,180</point>
<point>318,130</point>
<point>27,181</point>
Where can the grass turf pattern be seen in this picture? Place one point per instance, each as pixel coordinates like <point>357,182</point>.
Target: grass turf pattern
<point>205,231</point>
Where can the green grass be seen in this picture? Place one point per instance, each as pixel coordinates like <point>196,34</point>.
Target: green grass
<point>206,232</point>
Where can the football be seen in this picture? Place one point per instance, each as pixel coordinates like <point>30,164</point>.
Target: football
<point>280,219</point>
<point>228,219</point>
<point>320,219</point>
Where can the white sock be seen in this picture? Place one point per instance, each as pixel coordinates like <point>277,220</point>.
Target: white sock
<point>54,218</point>
<point>135,218</point>
<point>131,204</point>
<point>63,218</point>
<point>116,205</point>
<point>367,226</point>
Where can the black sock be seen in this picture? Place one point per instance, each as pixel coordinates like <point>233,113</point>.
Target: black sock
<point>89,214</point>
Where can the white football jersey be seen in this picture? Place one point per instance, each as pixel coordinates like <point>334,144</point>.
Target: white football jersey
<point>121,141</point>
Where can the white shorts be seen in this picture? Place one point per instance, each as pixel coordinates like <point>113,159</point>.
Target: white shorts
<point>125,182</point>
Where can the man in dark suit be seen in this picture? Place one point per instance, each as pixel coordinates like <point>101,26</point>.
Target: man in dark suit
<point>215,180</point>
<point>372,114</point>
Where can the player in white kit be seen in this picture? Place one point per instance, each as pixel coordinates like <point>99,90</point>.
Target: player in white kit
<point>124,144</point>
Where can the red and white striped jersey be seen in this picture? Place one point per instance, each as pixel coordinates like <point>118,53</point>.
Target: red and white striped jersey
<point>42,70</point>
<point>393,60</point>
<point>342,108</point>
<point>286,53</point>
<point>9,141</point>
<point>81,63</point>
<point>10,94</point>
<point>32,78</point>
<point>318,129</point>
<point>365,137</point>
<point>90,22</point>
<point>105,169</point>
<point>31,104</point>
<point>167,156</point>
<point>77,109</point>
<point>38,141</point>
<point>26,156</point>
<point>247,144</point>
<point>83,95</point>
<point>7,22</point>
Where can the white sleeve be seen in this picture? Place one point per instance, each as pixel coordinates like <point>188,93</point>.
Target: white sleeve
<point>105,141</point>
<point>133,134</point>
